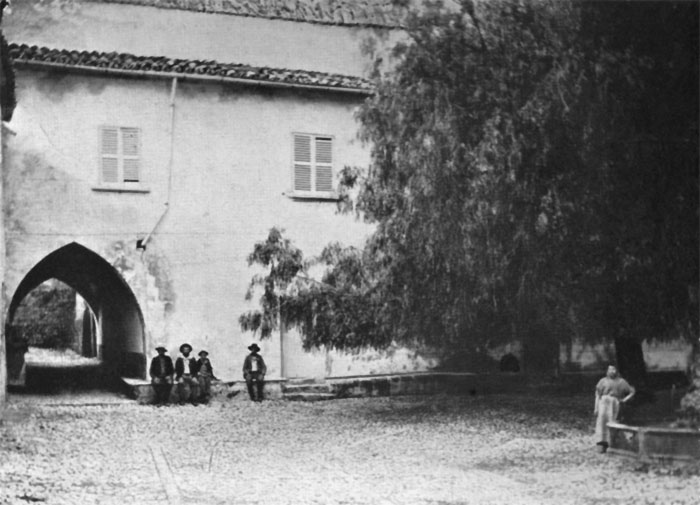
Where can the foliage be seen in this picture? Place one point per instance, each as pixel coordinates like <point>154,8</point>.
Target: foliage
<point>284,262</point>
<point>45,317</point>
<point>338,311</point>
<point>541,165</point>
<point>534,164</point>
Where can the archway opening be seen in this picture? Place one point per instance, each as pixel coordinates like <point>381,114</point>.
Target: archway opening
<point>106,335</point>
<point>58,348</point>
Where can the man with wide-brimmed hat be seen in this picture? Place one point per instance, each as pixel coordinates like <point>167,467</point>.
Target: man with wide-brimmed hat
<point>185,375</point>
<point>254,370</point>
<point>205,374</point>
<point>161,372</point>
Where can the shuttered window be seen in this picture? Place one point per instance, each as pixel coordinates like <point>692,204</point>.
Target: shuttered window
<point>302,162</point>
<point>120,155</point>
<point>313,164</point>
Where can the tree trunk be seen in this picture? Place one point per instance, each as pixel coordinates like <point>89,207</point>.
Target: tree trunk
<point>630,364</point>
<point>540,352</point>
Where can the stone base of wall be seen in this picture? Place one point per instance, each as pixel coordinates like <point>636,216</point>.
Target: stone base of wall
<point>362,386</point>
<point>662,405</point>
<point>425,384</point>
<point>142,392</point>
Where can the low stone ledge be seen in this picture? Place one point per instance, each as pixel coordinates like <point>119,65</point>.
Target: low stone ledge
<point>424,383</point>
<point>420,383</point>
<point>142,391</point>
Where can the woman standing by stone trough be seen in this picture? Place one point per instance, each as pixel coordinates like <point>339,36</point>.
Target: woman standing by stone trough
<point>610,392</point>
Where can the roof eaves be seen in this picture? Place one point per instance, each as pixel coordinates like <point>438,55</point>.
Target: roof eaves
<point>123,64</point>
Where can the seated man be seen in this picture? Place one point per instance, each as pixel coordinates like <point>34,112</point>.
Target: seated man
<point>205,374</point>
<point>161,372</point>
<point>185,375</point>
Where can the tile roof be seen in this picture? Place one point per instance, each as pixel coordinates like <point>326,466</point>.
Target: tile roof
<point>161,66</point>
<point>380,13</point>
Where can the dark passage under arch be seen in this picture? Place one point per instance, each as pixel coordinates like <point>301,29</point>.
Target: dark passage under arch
<point>118,317</point>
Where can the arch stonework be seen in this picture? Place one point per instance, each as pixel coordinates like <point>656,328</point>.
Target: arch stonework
<point>119,318</point>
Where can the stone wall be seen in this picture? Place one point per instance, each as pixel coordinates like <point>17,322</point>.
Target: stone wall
<point>428,384</point>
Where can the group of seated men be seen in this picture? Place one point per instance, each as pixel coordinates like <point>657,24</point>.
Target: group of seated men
<point>194,376</point>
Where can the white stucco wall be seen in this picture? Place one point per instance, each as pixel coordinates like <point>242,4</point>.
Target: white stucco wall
<point>658,356</point>
<point>231,173</point>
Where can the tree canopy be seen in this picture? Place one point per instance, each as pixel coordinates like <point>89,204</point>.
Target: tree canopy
<point>533,171</point>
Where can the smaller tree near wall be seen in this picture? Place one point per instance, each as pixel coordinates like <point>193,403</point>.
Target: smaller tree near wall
<point>283,262</point>
<point>342,310</point>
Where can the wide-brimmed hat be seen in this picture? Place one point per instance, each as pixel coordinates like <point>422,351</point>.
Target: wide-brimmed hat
<point>185,345</point>
<point>253,347</point>
<point>202,352</point>
<point>161,346</point>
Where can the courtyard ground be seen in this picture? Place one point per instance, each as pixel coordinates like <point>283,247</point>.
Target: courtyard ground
<point>444,450</point>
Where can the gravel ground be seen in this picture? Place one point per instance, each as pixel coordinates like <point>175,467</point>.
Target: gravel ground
<point>445,450</point>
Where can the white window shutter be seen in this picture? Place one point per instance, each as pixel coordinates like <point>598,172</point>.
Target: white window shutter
<point>302,178</point>
<point>130,141</point>
<point>131,170</point>
<point>120,155</point>
<point>324,164</point>
<point>324,151</point>
<point>324,179</point>
<point>110,170</point>
<point>130,154</point>
<point>110,141</point>
<point>302,149</point>
<point>302,163</point>
<point>109,154</point>
<point>313,164</point>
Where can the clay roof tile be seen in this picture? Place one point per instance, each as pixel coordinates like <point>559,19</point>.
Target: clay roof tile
<point>125,61</point>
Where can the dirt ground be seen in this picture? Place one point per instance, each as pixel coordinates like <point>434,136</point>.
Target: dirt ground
<point>445,450</point>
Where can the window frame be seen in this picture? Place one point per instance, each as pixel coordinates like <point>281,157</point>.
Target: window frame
<point>313,193</point>
<point>121,185</point>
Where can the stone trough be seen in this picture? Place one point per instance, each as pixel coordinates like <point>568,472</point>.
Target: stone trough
<point>648,443</point>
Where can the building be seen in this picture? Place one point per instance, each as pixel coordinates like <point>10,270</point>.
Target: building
<point>157,143</point>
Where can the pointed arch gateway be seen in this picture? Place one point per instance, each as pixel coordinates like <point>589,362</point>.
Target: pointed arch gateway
<point>118,316</point>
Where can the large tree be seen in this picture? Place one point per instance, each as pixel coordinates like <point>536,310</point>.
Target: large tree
<point>534,172</point>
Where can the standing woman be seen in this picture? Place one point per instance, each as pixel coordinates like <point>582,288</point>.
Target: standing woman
<point>611,391</point>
